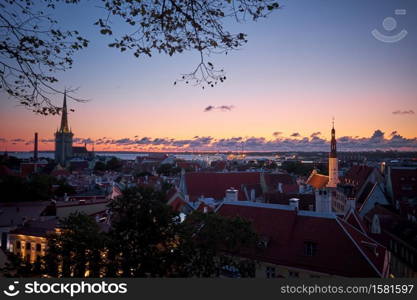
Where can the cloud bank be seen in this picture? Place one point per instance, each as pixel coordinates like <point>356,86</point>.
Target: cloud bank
<point>379,140</point>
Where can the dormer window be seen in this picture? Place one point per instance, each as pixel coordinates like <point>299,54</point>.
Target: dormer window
<point>310,248</point>
<point>263,242</point>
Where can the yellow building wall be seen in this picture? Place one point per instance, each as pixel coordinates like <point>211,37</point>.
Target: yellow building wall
<point>23,251</point>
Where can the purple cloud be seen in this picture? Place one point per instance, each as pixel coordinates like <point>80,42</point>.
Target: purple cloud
<point>219,108</point>
<point>403,112</point>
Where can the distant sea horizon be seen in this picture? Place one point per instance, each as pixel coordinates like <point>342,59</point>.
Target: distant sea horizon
<point>197,155</point>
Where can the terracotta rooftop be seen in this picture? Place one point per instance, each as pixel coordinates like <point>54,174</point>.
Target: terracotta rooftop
<point>318,181</point>
<point>341,249</point>
<point>214,185</point>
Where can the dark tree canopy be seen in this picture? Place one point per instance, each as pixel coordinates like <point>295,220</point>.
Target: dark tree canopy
<point>147,239</point>
<point>33,48</point>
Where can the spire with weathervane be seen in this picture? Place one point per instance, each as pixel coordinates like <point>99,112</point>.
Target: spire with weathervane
<point>333,161</point>
<point>333,152</point>
<point>64,118</point>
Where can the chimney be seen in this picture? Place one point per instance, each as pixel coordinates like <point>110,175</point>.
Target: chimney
<point>280,187</point>
<point>231,194</point>
<point>35,152</point>
<point>294,202</point>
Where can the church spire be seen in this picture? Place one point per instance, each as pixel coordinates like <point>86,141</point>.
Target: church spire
<point>333,152</point>
<point>64,117</point>
<point>333,162</point>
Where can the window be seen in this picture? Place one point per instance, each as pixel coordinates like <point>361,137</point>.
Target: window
<point>310,248</point>
<point>294,274</point>
<point>18,245</point>
<point>270,272</point>
<point>27,246</point>
<point>38,247</point>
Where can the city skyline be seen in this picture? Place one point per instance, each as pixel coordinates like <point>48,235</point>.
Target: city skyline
<point>283,80</point>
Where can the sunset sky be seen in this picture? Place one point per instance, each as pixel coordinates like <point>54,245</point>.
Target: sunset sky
<point>305,64</point>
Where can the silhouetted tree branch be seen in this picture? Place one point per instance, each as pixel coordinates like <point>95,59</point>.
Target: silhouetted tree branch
<point>170,27</point>
<point>33,49</point>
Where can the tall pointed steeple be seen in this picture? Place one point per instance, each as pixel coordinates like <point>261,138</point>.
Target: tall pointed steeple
<point>333,161</point>
<point>333,152</point>
<point>64,118</point>
<point>63,137</point>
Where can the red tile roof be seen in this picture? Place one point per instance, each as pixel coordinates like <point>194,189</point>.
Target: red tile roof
<point>306,200</point>
<point>403,184</point>
<point>318,181</point>
<point>353,219</point>
<point>272,180</point>
<point>392,225</point>
<point>214,185</point>
<point>357,175</point>
<point>341,249</point>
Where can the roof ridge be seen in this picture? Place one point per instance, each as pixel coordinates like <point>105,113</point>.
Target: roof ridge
<point>352,212</point>
<point>359,248</point>
<point>369,195</point>
<point>364,234</point>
